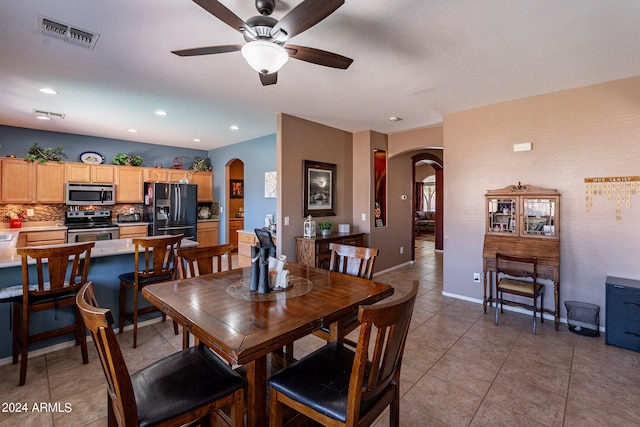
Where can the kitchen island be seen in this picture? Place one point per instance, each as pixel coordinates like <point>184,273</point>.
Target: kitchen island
<point>109,259</point>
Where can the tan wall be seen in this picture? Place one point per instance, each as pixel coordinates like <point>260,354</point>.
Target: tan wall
<point>586,132</point>
<point>402,142</point>
<point>299,140</point>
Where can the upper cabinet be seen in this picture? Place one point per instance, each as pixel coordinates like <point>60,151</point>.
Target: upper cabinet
<point>155,175</point>
<point>50,181</point>
<point>204,181</point>
<point>129,183</point>
<point>523,211</point>
<point>18,180</point>
<point>81,172</point>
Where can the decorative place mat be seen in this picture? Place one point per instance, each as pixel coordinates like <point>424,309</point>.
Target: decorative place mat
<point>297,286</point>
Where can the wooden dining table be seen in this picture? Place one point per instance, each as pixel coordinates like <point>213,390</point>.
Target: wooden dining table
<point>244,327</point>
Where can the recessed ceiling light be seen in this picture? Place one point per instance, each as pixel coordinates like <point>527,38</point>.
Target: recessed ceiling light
<point>132,130</point>
<point>196,140</point>
<point>394,119</point>
<point>162,113</point>
<point>48,91</point>
<point>234,127</point>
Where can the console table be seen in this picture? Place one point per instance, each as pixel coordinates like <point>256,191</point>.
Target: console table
<point>314,252</point>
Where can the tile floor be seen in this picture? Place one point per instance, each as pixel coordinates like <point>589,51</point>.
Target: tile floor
<point>459,369</point>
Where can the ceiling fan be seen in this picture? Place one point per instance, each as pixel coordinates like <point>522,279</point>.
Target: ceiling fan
<point>266,50</point>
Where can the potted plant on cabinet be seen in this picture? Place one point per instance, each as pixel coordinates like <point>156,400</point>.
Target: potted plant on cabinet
<point>325,227</point>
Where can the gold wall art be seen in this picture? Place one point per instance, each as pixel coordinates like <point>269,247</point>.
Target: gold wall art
<point>620,187</point>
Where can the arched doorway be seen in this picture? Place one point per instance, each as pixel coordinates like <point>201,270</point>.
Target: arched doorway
<point>235,200</point>
<point>436,163</point>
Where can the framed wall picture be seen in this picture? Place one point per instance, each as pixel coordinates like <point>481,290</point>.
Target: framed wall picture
<point>319,198</point>
<point>236,188</point>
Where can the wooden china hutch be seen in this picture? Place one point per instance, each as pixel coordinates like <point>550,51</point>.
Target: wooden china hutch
<point>523,220</point>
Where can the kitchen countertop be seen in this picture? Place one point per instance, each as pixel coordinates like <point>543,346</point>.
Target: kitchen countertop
<point>209,220</point>
<point>103,248</point>
<point>128,224</point>
<point>33,226</point>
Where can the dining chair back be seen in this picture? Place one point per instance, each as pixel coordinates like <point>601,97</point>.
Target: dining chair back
<point>518,275</point>
<point>60,272</point>
<point>181,388</point>
<point>204,260</point>
<point>154,262</point>
<point>353,260</point>
<point>356,387</point>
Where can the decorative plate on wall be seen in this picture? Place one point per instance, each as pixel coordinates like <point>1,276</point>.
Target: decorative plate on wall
<point>92,158</point>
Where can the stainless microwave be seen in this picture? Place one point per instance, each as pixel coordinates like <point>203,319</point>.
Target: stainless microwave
<point>79,194</point>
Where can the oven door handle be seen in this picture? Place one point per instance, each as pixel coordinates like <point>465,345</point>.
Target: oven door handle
<point>96,230</point>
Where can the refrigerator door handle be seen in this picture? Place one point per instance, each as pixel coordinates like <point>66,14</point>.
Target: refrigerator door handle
<point>186,227</point>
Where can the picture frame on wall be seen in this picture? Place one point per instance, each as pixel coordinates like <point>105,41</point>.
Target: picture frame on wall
<point>236,189</point>
<point>319,198</point>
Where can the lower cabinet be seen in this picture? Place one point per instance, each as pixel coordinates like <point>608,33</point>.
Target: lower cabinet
<point>40,238</point>
<point>315,252</point>
<point>234,226</point>
<point>246,239</point>
<point>207,233</point>
<point>623,313</point>
<point>133,231</point>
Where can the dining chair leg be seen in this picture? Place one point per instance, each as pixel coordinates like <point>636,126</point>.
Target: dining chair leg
<point>24,346</point>
<point>135,317</point>
<point>17,328</point>
<point>123,302</point>
<point>81,336</point>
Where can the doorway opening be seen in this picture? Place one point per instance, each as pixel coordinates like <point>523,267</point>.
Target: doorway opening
<point>428,201</point>
<point>235,200</point>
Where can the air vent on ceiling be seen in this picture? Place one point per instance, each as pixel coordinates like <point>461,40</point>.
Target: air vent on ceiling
<point>47,115</point>
<point>67,33</point>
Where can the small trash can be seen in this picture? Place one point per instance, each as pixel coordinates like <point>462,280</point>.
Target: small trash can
<point>583,318</point>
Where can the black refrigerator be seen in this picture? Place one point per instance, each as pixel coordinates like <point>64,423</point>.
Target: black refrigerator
<point>171,209</point>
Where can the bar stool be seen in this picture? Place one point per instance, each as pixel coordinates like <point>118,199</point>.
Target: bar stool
<point>56,286</point>
<point>154,262</point>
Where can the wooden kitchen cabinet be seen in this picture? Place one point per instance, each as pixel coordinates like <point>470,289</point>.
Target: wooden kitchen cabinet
<point>207,234</point>
<point>18,179</point>
<point>204,181</point>
<point>133,231</point>
<point>235,225</point>
<point>175,175</point>
<point>40,238</point>
<point>155,175</point>
<point>85,173</point>
<point>50,183</point>
<point>314,252</point>
<point>129,183</point>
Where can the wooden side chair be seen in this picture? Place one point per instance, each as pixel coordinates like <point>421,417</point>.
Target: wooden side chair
<point>517,275</point>
<point>193,262</point>
<point>61,271</point>
<point>336,386</point>
<point>197,261</point>
<point>354,261</point>
<point>186,386</point>
<point>154,262</point>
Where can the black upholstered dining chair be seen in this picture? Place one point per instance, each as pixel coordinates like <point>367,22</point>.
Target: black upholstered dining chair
<point>184,387</point>
<point>336,386</point>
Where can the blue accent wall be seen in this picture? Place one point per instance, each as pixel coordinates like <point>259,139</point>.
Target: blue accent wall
<point>258,156</point>
<point>17,141</point>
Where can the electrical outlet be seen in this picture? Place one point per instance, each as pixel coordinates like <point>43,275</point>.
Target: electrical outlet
<point>30,212</point>
<point>476,277</point>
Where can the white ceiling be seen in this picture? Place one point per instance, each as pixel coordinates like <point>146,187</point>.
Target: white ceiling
<point>416,59</point>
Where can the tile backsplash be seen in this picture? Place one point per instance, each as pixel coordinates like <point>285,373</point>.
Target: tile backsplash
<point>55,212</point>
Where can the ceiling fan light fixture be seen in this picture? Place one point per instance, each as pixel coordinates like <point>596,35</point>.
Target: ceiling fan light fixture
<point>264,56</point>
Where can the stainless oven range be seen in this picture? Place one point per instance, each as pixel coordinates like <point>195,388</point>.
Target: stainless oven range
<point>89,226</point>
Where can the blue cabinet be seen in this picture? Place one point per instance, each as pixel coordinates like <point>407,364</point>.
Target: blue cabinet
<point>623,313</point>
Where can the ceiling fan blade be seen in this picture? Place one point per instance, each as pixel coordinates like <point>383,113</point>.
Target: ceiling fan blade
<point>221,12</point>
<point>208,50</point>
<point>317,56</point>
<point>268,79</point>
<point>304,16</point>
